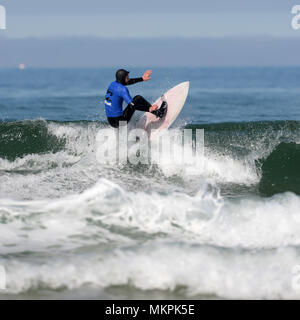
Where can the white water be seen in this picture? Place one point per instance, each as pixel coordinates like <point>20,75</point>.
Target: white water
<point>70,223</point>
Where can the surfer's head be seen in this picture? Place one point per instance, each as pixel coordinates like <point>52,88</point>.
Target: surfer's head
<point>121,76</point>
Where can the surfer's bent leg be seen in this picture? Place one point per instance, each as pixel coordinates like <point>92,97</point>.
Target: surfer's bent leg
<point>138,103</point>
<point>128,112</point>
<point>114,121</point>
<point>141,104</point>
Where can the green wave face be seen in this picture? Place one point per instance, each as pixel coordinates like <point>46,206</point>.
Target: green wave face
<point>27,137</point>
<point>273,146</point>
<point>270,148</point>
<point>280,171</point>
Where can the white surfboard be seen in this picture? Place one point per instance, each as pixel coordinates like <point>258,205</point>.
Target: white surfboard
<point>175,98</point>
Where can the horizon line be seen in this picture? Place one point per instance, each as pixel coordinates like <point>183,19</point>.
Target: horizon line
<point>91,37</point>
<point>153,66</point>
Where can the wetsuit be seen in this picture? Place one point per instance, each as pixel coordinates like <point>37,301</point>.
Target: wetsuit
<point>115,95</point>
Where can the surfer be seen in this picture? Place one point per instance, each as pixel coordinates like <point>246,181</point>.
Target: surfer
<point>117,93</point>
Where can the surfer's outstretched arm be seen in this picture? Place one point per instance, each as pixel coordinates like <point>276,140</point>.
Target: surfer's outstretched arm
<point>145,77</point>
<point>134,80</point>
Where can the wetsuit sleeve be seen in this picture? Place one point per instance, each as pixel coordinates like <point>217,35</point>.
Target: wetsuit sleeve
<point>134,80</point>
<point>126,96</point>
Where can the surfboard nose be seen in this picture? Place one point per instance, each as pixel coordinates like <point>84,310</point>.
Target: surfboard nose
<point>185,84</point>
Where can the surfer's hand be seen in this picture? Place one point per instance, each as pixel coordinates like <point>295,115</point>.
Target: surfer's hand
<point>153,108</point>
<point>146,75</point>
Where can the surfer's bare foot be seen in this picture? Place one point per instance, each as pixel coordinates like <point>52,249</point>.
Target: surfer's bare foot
<point>153,108</point>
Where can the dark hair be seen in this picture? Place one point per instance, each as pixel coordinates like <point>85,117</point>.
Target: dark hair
<point>121,75</point>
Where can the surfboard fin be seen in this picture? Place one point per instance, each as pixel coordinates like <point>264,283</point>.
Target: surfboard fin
<point>161,112</point>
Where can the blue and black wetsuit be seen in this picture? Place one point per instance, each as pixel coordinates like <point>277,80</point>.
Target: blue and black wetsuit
<point>115,95</point>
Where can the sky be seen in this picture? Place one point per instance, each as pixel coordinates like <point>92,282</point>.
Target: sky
<point>58,33</point>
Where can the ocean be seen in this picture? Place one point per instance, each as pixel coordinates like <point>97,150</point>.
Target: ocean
<point>72,228</point>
